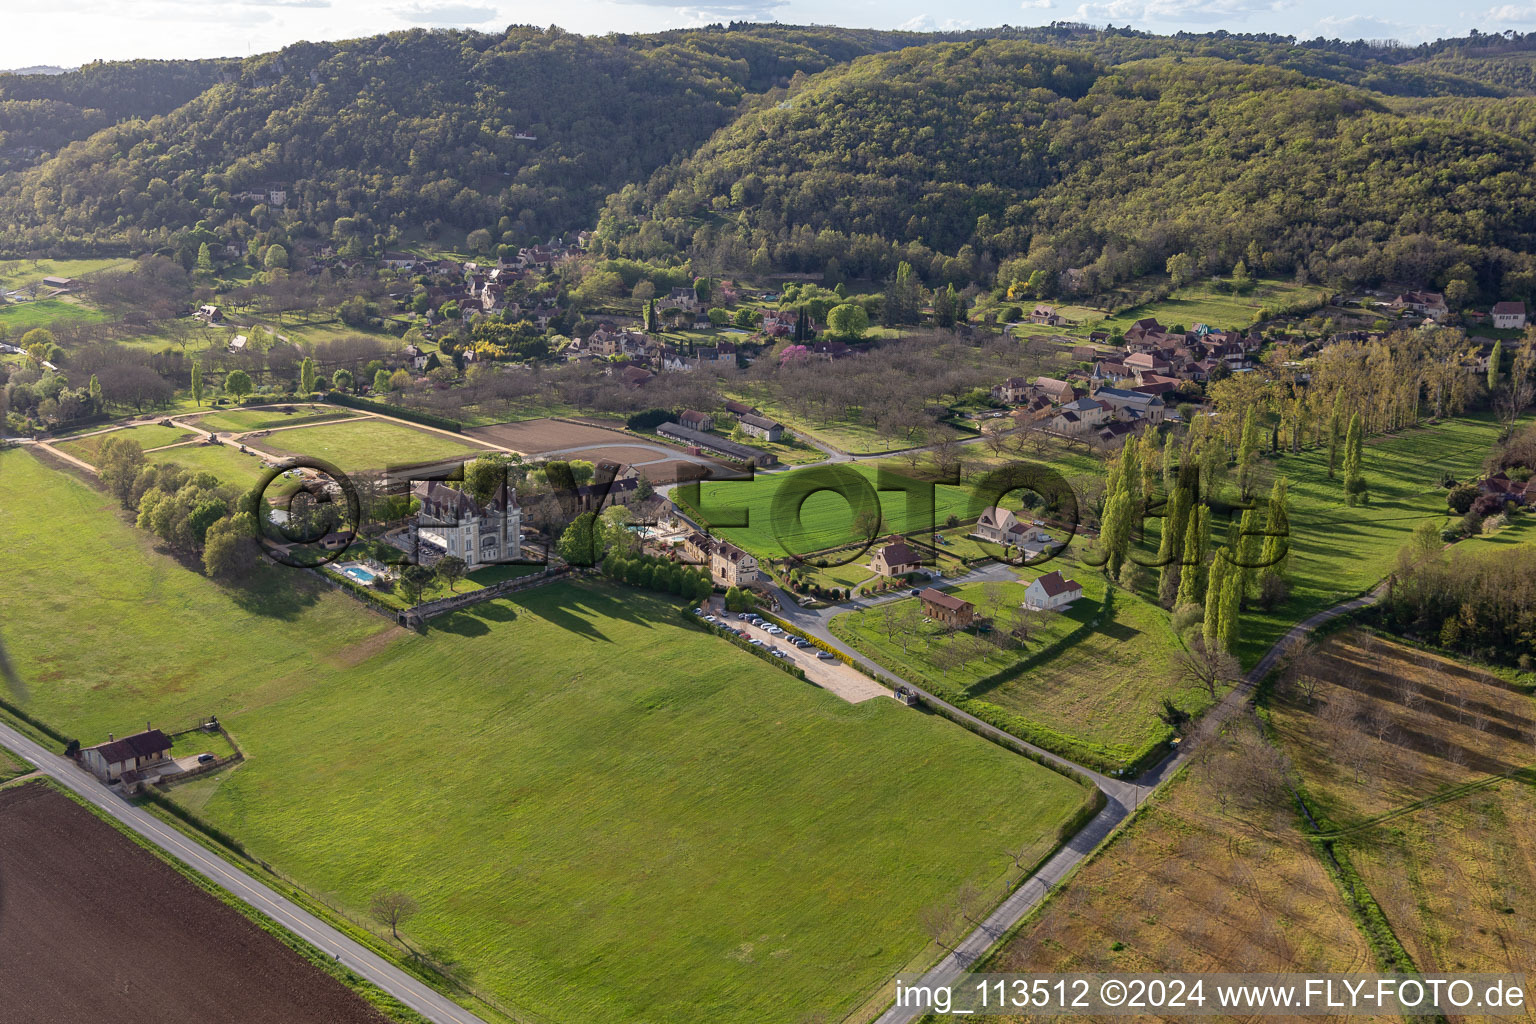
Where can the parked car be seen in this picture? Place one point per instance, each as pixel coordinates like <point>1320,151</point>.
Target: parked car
<point>825,655</point>
<point>205,759</point>
<point>710,618</point>
<point>800,641</point>
<point>915,591</point>
<point>743,616</point>
<point>755,642</point>
<point>698,611</point>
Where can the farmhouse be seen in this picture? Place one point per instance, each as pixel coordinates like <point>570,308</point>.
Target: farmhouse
<point>730,566</point>
<point>1509,315</point>
<point>1012,391</point>
<point>208,314</point>
<point>109,760</point>
<point>237,344</point>
<point>451,522</point>
<point>947,609</point>
<point>718,445</point>
<point>895,558</point>
<point>1132,405</point>
<point>694,420</point>
<point>58,282</point>
<point>761,426</point>
<point>1051,592</point>
<point>999,525</point>
<point>1058,391</point>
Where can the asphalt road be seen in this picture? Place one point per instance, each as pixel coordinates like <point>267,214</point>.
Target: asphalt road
<point>364,962</point>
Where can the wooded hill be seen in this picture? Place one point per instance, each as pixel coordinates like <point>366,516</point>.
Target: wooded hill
<point>1088,157</point>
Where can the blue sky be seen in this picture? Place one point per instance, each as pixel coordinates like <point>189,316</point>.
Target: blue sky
<point>74,31</point>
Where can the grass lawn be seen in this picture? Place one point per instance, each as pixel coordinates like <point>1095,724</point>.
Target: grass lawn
<point>19,273</point>
<point>826,519</point>
<point>12,766</point>
<point>222,460</point>
<point>1390,726</point>
<point>856,438</point>
<point>1338,551</point>
<point>603,813</point>
<point>1089,682</point>
<point>146,436</point>
<point>1195,304</point>
<point>21,317</point>
<point>369,444</point>
<point>240,420</point>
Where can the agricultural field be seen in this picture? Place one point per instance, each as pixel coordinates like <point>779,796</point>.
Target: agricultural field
<point>65,918</point>
<point>21,317</point>
<point>1426,770</point>
<point>1088,682</point>
<point>718,828</point>
<point>1337,552</point>
<point>370,443</point>
<point>238,421</point>
<point>1212,875</point>
<point>12,766</point>
<point>1194,304</point>
<point>20,273</point>
<point>146,436</point>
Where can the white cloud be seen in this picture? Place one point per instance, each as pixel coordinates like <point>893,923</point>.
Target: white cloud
<point>1035,5</point>
<point>709,13</point>
<point>445,15</point>
<point>928,23</point>
<point>1176,10</point>
<point>1511,14</point>
<point>1358,26</point>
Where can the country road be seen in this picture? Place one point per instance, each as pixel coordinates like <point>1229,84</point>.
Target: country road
<point>409,990</point>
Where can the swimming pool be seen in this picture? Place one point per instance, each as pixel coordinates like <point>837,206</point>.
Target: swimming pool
<point>360,573</point>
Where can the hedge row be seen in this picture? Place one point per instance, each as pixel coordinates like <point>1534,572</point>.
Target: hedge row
<point>42,727</point>
<point>398,412</point>
<point>726,632</point>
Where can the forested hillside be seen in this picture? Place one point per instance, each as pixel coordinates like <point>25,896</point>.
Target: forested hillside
<point>962,157</point>
<point>522,133</point>
<point>1080,157</point>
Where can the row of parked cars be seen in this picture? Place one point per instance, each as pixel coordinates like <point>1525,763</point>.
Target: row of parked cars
<point>753,619</point>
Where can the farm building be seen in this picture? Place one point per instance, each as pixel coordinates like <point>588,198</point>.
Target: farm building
<point>947,609</point>
<point>718,445</point>
<point>730,566</point>
<point>761,426</point>
<point>1051,592</point>
<point>109,760</point>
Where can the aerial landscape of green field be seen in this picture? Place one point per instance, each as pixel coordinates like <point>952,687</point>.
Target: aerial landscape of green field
<point>842,499</point>
<point>550,710</point>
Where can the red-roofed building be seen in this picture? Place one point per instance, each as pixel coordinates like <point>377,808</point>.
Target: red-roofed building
<point>1051,592</point>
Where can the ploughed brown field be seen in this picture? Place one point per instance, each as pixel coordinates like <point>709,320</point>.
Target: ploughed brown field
<point>94,927</point>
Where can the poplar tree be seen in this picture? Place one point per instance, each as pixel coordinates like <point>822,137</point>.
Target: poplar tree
<point>1231,603</point>
<point>1210,628</point>
<point>1277,548</point>
<point>1247,452</point>
<point>308,377</point>
<point>94,390</point>
<point>1493,364</point>
<point>1333,432</point>
<point>1192,554</point>
<point>1354,451</point>
<point>197,381</point>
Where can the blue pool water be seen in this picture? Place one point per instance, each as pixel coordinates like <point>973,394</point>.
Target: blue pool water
<point>358,573</point>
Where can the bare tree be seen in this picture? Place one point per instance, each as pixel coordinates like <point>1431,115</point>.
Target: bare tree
<point>1208,665</point>
<point>392,908</point>
<point>936,922</point>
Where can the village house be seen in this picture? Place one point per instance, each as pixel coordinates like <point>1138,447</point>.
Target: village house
<point>694,420</point>
<point>683,298</point>
<point>109,760</point>
<point>1051,592</point>
<point>1132,405</point>
<point>1508,316</point>
<point>1059,392</point>
<point>761,426</point>
<point>208,314</point>
<point>895,558</point>
<point>696,548</point>
<point>236,344</point>
<point>1430,304</point>
<point>1012,391</point>
<point>1112,435</point>
<point>1046,315</point>
<point>730,566</point>
<point>947,609</point>
<point>1523,492</point>
<point>451,522</point>
<point>1000,526</point>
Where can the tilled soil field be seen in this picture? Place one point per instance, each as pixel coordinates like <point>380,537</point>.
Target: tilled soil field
<point>93,927</point>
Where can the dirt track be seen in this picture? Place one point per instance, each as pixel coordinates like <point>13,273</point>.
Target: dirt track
<point>93,927</point>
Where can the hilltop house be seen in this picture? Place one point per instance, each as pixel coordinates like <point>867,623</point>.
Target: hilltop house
<point>1509,315</point>
<point>451,522</point>
<point>1430,304</point>
<point>947,609</point>
<point>109,760</point>
<point>1051,592</point>
<point>895,558</point>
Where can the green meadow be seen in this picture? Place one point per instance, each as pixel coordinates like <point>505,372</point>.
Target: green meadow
<point>604,812</point>
<point>146,436</point>
<point>238,421</point>
<point>370,443</point>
